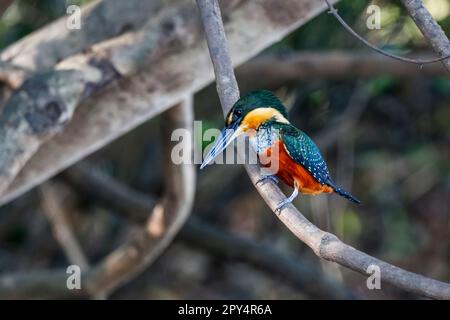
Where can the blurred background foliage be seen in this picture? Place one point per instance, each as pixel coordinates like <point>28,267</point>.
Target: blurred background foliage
<point>396,158</point>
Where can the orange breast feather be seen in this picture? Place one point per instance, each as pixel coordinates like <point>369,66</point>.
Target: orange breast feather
<point>290,171</point>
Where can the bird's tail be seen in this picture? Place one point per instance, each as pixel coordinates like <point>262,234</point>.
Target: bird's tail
<point>346,195</point>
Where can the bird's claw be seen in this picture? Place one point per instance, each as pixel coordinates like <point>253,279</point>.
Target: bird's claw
<point>287,201</point>
<point>268,177</point>
<point>281,205</point>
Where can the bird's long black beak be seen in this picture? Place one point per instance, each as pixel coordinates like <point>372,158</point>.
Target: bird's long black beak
<point>227,135</point>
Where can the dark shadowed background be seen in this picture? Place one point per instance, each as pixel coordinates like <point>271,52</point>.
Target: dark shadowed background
<point>384,133</point>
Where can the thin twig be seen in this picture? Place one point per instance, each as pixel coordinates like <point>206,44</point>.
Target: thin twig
<point>335,13</point>
<point>324,244</point>
<point>51,201</point>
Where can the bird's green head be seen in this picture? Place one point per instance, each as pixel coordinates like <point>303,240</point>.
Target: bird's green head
<point>255,108</point>
<point>246,116</point>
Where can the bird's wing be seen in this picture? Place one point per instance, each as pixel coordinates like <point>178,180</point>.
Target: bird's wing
<point>304,151</point>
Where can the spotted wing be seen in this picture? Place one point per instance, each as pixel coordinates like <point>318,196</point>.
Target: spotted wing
<point>304,151</point>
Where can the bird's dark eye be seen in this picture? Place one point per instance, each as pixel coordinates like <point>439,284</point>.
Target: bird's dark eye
<point>238,112</point>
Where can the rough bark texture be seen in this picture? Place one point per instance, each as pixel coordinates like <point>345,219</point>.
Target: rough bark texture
<point>101,20</point>
<point>41,108</point>
<point>152,90</point>
<point>46,102</point>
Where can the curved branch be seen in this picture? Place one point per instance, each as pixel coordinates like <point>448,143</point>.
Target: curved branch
<point>46,102</point>
<point>52,204</point>
<point>134,206</point>
<point>275,70</point>
<point>164,222</point>
<point>102,118</point>
<point>298,272</point>
<point>147,244</point>
<point>110,192</point>
<point>335,13</point>
<point>324,244</point>
<point>431,30</point>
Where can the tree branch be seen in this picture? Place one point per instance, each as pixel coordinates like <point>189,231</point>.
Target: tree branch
<point>52,205</point>
<point>101,20</point>
<point>146,245</point>
<point>324,244</point>
<point>165,221</point>
<point>335,13</point>
<point>102,118</point>
<point>134,206</point>
<point>110,192</point>
<point>38,284</point>
<point>11,75</point>
<point>46,102</point>
<point>431,30</point>
<point>297,272</point>
<point>275,70</point>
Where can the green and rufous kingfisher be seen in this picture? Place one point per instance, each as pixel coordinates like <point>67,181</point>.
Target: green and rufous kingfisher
<point>263,117</point>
